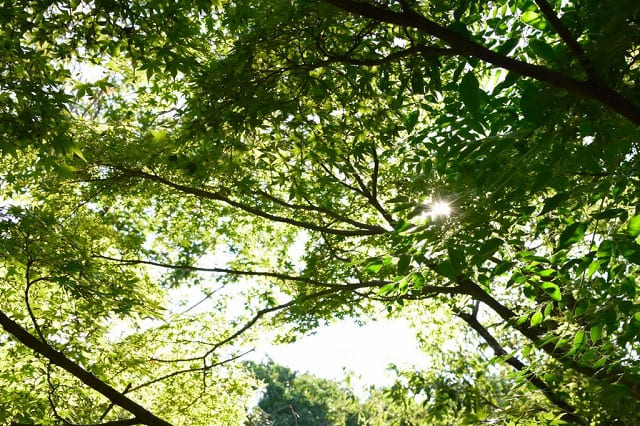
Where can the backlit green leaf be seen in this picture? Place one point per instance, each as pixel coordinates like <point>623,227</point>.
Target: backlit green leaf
<point>534,19</point>
<point>536,318</point>
<point>633,228</point>
<point>596,331</point>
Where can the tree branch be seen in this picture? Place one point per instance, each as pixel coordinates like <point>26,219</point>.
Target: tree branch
<point>613,374</point>
<point>219,196</point>
<point>319,209</point>
<point>567,37</point>
<point>277,275</point>
<point>265,311</point>
<point>382,60</point>
<point>125,422</point>
<point>457,41</point>
<point>204,368</point>
<point>364,190</point>
<point>520,366</point>
<point>58,358</point>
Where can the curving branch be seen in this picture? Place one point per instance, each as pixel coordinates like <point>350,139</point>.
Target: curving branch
<point>219,196</point>
<point>531,377</point>
<point>421,49</point>
<point>278,275</point>
<point>318,209</point>
<point>205,367</point>
<point>125,422</point>
<point>265,311</point>
<point>411,19</point>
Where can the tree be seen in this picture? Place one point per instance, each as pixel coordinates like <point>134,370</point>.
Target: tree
<point>302,399</point>
<point>249,129</point>
<point>291,398</point>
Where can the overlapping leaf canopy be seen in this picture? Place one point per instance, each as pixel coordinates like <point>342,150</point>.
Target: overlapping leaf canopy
<point>294,149</point>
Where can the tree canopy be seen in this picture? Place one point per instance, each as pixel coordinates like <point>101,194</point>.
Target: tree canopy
<point>290,398</point>
<point>470,165</point>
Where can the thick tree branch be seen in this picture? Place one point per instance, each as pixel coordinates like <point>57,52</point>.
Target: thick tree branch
<point>125,422</point>
<point>374,173</point>
<point>457,41</point>
<point>27,302</point>
<point>58,358</point>
<point>567,37</point>
<point>520,366</point>
<point>110,406</point>
<point>612,374</point>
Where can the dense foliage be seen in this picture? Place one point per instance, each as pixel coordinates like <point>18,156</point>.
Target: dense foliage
<point>290,398</point>
<point>300,155</point>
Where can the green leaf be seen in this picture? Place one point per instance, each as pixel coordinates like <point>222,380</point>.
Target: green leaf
<point>508,81</point>
<point>631,252</point>
<point>470,93</point>
<point>571,235</point>
<point>609,214</point>
<point>487,249</point>
<point>387,289</point>
<point>605,251</point>
<point>522,319</point>
<point>552,290</point>
<point>600,363</point>
<point>75,151</point>
<point>402,225</point>
<point>633,228</point>
<point>533,19</point>
<point>542,50</point>
<point>502,267</point>
<point>73,267</point>
<point>456,256</point>
<point>508,46</point>
<point>411,120</point>
<point>417,82</point>
<point>403,264</point>
<point>547,272</point>
<point>536,318</point>
<point>596,331</point>
<point>533,105</point>
<point>374,267</point>
<point>578,341</point>
<point>554,202</point>
<point>447,270</point>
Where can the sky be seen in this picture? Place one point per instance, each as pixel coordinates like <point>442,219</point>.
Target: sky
<point>345,347</point>
<point>331,351</point>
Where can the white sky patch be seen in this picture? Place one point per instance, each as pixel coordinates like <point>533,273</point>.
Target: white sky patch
<point>88,73</point>
<point>588,140</point>
<point>343,347</point>
<point>399,42</point>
